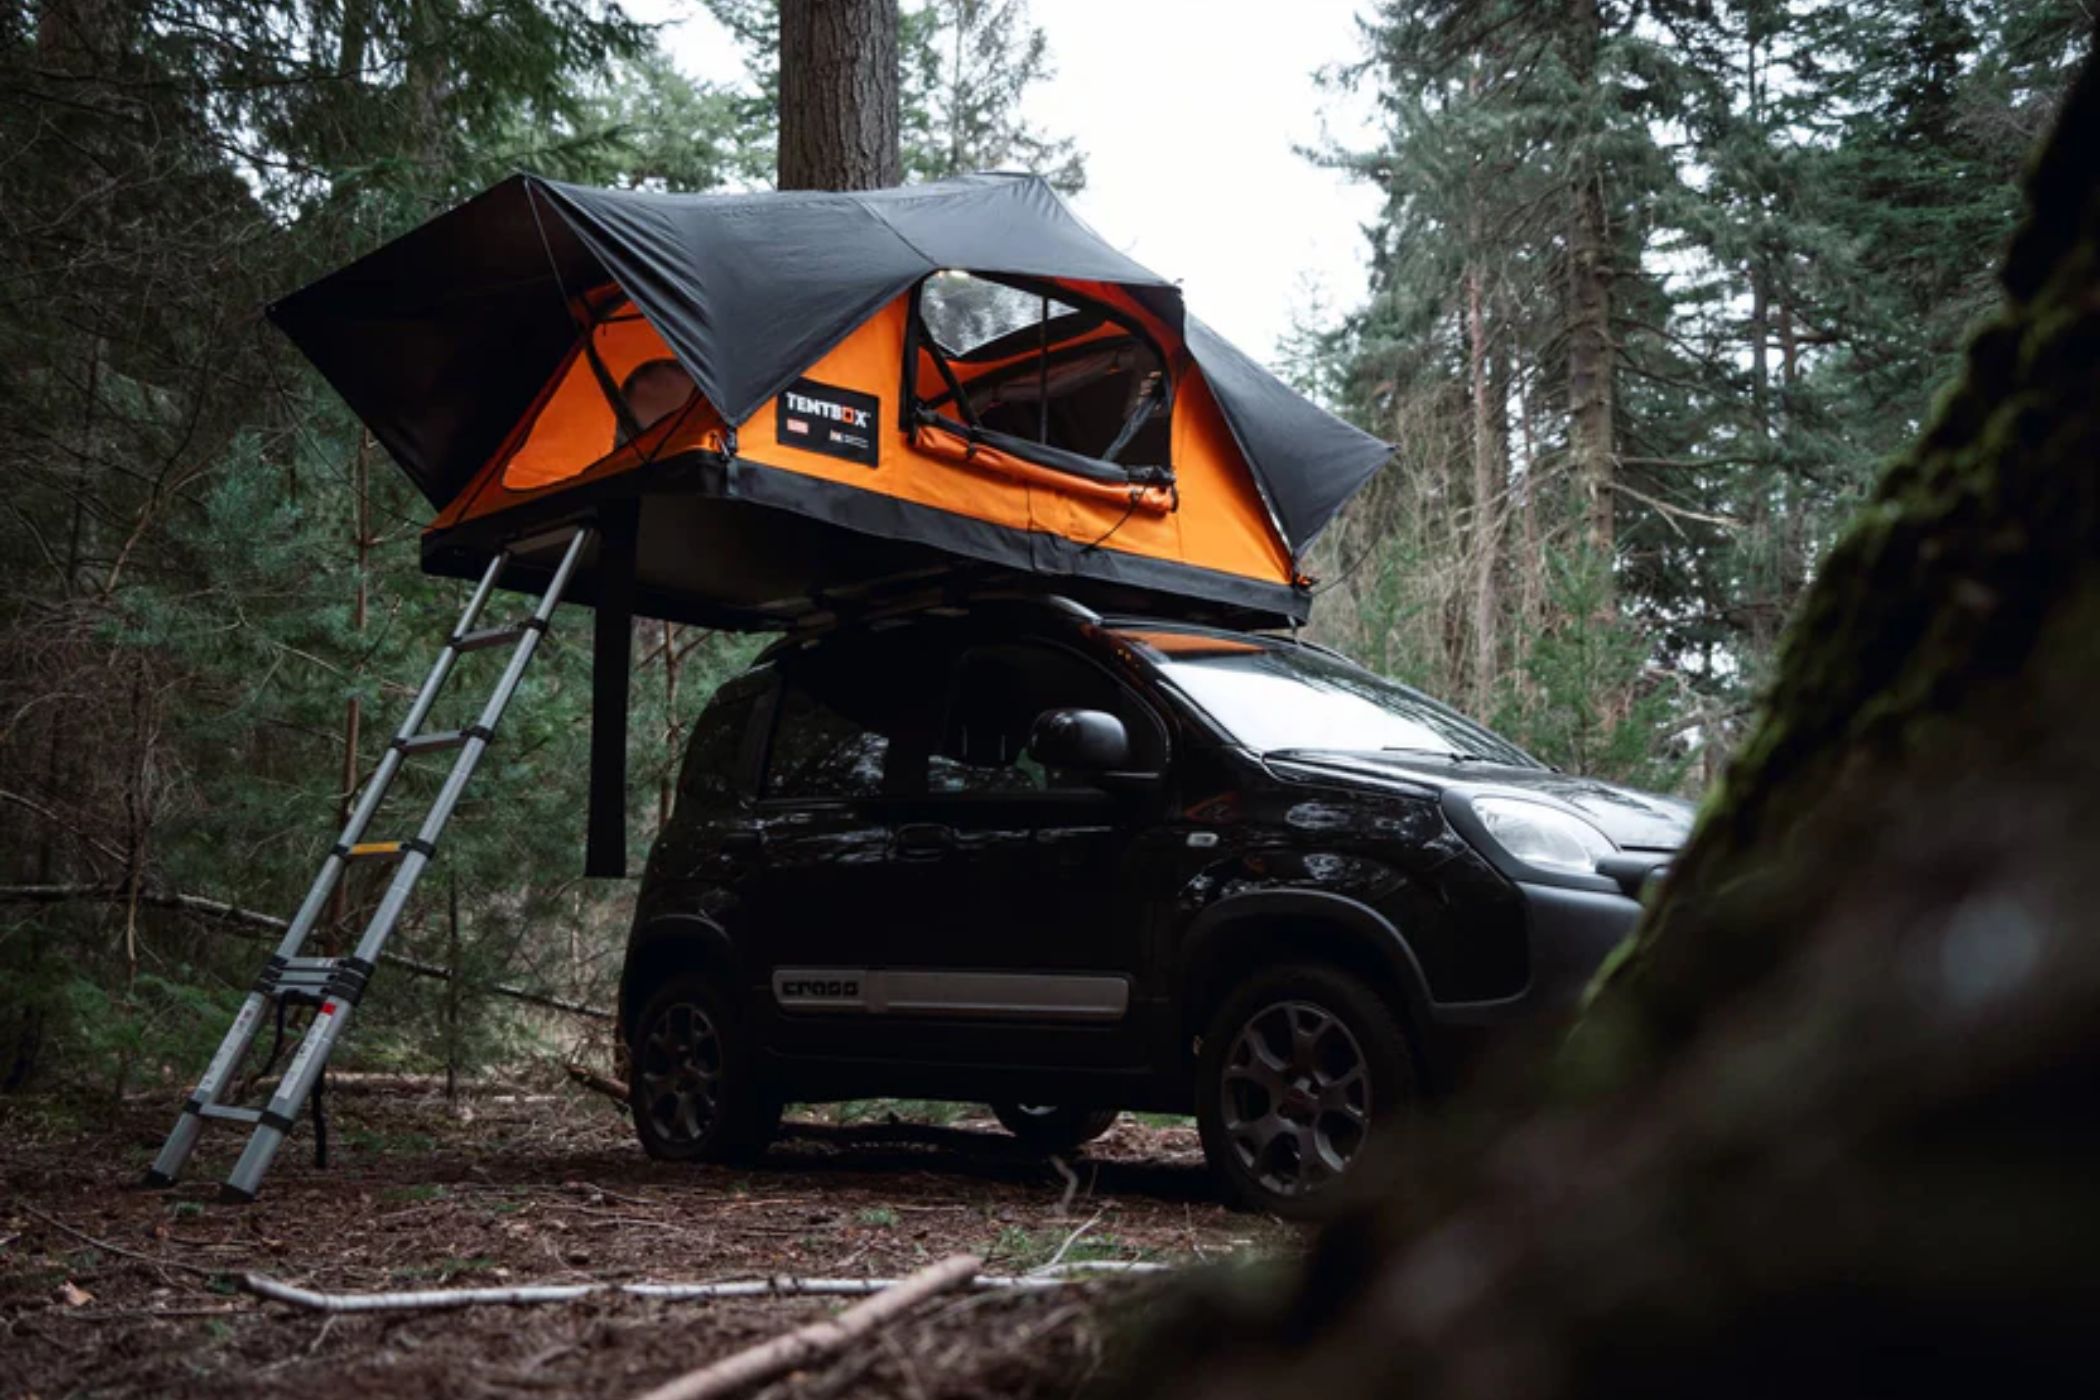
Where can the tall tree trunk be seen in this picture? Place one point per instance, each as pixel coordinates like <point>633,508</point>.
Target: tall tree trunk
<point>838,95</point>
<point>1590,430</point>
<point>1765,596</point>
<point>353,708</point>
<point>1761,584</point>
<point>352,37</point>
<point>1489,479</point>
<point>674,732</point>
<point>429,74</point>
<point>1793,516</point>
<point>1531,585</point>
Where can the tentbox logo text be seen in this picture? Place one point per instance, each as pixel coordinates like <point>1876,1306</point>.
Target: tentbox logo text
<point>825,418</point>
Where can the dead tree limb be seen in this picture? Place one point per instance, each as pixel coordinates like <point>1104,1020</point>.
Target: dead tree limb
<point>602,1083</point>
<point>357,1082</point>
<point>819,1339</point>
<point>434,1299</point>
<point>247,923</point>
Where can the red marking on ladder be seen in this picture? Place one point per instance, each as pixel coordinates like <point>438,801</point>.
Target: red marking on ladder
<point>328,1008</point>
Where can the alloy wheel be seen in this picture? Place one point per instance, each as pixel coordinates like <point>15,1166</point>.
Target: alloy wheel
<point>1296,1097</point>
<point>680,1073</point>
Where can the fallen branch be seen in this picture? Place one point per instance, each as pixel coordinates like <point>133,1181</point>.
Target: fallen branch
<point>355,1082</point>
<point>430,1299</point>
<point>1057,1260</point>
<point>220,914</point>
<point>106,1247</point>
<point>602,1083</point>
<point>800,1347</point>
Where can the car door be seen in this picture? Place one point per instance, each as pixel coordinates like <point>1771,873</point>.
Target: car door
<point>1029,899</point>
<point>830,899</point>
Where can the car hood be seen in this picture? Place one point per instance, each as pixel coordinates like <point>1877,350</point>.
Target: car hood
<point>1634,820</point>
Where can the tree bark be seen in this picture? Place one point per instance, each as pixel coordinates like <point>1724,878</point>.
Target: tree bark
<point>838,95</point>
<point>1827,1127</point>
<point>674,732</point>
<point>353,708</point>
<point>1590,428</point>
<point>1489,479</point>
<point>429,78</point>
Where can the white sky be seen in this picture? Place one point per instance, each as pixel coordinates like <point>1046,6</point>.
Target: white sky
<point>1188,112</point>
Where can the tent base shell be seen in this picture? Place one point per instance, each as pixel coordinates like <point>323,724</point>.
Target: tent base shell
<point>725,542</point>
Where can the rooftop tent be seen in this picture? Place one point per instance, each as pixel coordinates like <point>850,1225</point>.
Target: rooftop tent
<point>800,398</point>
<point>778,406</point>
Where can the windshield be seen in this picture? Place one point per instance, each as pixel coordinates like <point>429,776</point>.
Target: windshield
<point>1274,697</point>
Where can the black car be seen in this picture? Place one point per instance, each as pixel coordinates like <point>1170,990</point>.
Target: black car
<point>1018,853</point>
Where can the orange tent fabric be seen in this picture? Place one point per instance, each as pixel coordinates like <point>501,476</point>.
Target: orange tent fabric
<point>1213,519</point>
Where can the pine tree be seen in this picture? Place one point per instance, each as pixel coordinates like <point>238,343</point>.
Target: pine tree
<point>1799,205</point>
<point>186,531</point>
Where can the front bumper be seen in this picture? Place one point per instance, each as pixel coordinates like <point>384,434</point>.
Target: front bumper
<point>1570,933</point>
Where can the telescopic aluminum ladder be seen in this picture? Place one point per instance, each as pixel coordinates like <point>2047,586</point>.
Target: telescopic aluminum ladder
<point>335,985</point>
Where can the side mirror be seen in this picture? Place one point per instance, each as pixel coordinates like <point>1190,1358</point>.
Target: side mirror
<point>1087,741</point>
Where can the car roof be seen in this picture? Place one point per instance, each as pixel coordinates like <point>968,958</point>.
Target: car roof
<point>1036,613</point>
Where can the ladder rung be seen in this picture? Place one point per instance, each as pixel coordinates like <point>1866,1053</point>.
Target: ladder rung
<point>313,979</point>
<point>432,743</point>
<point>231,1115</point>
<point>376,850</point>
<point>489,637</point>
<point>308,969</point>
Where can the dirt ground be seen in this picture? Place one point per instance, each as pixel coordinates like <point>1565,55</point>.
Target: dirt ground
<point>109,1289</point>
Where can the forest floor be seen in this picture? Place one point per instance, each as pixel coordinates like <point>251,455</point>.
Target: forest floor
<point>110,1289</point>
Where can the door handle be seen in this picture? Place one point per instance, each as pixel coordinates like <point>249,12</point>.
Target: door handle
<point>746,841</point>
<point>923,840</point>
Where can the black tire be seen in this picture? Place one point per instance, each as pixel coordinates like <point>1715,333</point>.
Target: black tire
<point>690,1084</point>
<point>1281,1128</point>
<point>1051,1130</point>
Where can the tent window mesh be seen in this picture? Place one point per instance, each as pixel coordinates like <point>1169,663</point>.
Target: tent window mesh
<point>966,313</point>
<point>1029,369</point>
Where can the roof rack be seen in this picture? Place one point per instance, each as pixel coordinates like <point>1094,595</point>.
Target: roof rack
<point>826,620</point>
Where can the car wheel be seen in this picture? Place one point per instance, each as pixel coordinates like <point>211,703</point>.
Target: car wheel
<point>1053,1129</point>
<point>1298,1068</point>
<point>694,1096</point>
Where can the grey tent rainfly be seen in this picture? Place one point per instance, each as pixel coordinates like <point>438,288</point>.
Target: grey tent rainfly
<point>779,406</point>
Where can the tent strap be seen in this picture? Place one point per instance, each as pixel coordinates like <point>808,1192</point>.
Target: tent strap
<point>587,321</point>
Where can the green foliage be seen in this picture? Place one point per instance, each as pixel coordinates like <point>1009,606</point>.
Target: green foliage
<point>1579,702</point>
<point>939,1112</point>
<point>108,1035</point>
<point>1803,204</point>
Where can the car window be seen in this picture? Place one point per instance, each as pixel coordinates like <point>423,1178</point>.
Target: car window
<point>820,752</point>
<point>1275,698</point>
<point>995,695</point>
<point>713,775</point>
<point>855,718</point>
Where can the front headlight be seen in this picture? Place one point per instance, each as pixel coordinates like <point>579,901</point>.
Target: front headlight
<point>1543,836</point>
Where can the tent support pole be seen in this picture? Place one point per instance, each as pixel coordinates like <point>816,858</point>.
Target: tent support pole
<point>612,664</point>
